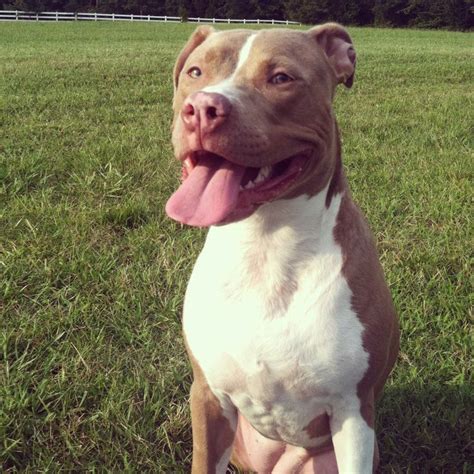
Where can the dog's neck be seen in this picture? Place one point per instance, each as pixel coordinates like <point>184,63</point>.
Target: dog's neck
<point>269,252</point>
<point>280,236</point>
<point>297,216</point>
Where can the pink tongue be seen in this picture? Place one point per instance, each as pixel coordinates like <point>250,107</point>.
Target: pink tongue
<point>209,194</point>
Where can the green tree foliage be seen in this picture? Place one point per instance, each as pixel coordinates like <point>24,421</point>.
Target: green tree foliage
<point>454,14</point>
<point>200,7</point>
<point>211,9</point>
<point>269,9</point>
<point>239,9</point>
<point>307,11</point>
<point>439,13</point>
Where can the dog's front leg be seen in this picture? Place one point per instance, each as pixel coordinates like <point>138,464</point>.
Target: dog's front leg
<point>353,434</point>
<point>214,428</point>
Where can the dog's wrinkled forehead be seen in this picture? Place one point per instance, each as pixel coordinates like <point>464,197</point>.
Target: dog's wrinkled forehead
<point>222,46</point>
<point>222,53</point>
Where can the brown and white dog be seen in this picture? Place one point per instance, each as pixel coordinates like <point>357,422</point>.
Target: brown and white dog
<point>288,321</point>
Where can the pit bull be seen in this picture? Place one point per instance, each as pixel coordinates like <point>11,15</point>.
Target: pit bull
<point>288,321</point>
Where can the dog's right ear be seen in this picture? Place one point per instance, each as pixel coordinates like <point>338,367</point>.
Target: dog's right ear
<point>337,45</point>
<point>198,37</point>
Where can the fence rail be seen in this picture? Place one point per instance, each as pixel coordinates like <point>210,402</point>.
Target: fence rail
<point>17,15</point>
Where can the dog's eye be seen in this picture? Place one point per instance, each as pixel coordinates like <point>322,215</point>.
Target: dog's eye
<point>280,78</point>
<point>194,72</point>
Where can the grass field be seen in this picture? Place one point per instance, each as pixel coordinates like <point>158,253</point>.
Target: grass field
<point>93,371</point>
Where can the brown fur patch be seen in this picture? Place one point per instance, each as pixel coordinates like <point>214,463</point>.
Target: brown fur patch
<point>371,301</point>
<point>212,432</point>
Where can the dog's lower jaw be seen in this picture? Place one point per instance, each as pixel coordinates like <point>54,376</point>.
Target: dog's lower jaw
<point>316,175</point>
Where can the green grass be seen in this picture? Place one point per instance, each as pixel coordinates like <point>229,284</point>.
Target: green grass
<point>93,373</point>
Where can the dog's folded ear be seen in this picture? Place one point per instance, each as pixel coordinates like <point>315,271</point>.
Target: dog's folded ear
<point>199,36</point>
<point>336,43</point>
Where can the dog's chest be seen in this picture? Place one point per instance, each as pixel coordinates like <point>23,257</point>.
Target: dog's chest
<point>271,325</point>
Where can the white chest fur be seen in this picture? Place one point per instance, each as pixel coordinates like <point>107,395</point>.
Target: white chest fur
<point>268,317</point>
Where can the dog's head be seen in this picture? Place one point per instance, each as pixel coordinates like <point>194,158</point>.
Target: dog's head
<point>253,118</point>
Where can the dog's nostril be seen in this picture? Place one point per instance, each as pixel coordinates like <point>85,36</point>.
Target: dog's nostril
<point>211,112</point>
<point>188,109</point>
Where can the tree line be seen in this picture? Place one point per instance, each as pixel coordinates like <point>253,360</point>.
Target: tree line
<point>454,14</point>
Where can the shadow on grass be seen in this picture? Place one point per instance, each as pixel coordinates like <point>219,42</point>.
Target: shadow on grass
<point>426,429</point>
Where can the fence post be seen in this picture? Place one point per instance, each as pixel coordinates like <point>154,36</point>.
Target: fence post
<point>16,15</point>
<point>131,16</point>
<point>228,21</point>
<point>37,16</point>
<point>75,16</point>
<point>148,17</point>
<point>213,20</point>
<point>57,16</point>
<point>244,21</point>
<point>95,16</point>
<point>199,20</point>
<point>258,21</point>
<point>166,18</point>
<point>287,22</point>
<point>273,22</point>
<point>113,16</point>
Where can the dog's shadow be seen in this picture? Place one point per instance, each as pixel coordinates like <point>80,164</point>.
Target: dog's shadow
<point>425,429</point>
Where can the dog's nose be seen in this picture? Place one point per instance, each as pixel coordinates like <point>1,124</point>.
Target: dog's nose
<point>205,111</point>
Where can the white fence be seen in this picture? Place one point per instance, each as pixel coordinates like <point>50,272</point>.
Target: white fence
<point>15,15</point>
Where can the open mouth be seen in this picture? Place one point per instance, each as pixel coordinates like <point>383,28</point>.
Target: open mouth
<point>217,191</point>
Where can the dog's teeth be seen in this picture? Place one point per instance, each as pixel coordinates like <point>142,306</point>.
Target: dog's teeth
<point>263,174</point>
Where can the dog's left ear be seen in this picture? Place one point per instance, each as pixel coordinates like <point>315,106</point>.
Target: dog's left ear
<point>336,43</point>
<point>198,37</point>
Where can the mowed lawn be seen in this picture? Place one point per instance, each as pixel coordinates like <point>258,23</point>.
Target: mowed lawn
<point>93,372</point>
